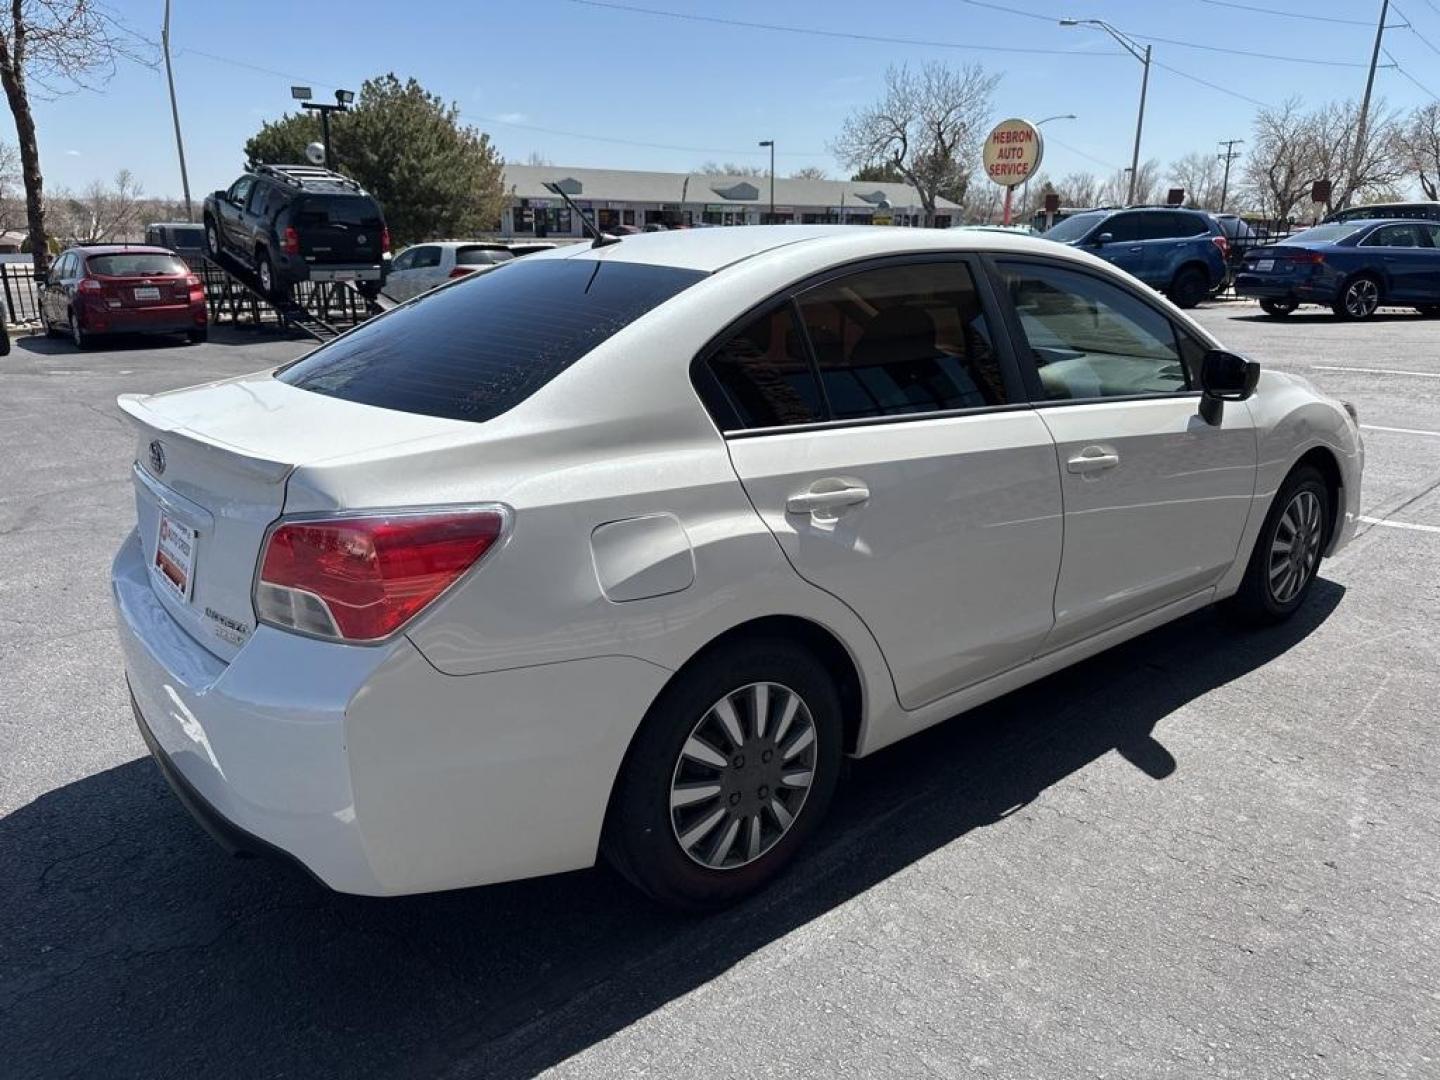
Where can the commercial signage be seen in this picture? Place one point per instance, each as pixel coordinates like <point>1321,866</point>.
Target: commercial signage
<point>1013,151</point>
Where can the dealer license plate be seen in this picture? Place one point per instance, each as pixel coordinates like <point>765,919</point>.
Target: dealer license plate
<point>1264,266</point>
<point>175,545</point>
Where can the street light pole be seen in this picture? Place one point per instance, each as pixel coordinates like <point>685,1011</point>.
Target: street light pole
<point>343,100</point>
<point>1025,191</point>
<point>1143,55</point>
<point>175,114</point>
<point>771,144</point>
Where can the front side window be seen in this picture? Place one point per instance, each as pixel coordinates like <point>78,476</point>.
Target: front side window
<point>902,339</point>
<point>240,190</point>
<point>480,347</point>
<point>1090,339</point>
<point>1124,229</point>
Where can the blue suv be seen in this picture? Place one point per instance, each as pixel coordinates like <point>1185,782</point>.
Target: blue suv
<point>1182,253</point>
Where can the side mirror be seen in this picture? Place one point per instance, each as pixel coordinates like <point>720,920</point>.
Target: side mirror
<point>1225,376</point>
<point>1103,239</point>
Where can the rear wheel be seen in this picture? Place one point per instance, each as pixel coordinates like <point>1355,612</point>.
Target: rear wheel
<point>78,334</point>
<point>199,334</point>
<point>212,238</point>
<point>1287,552</point>
<point>1359,298</point>
<point>1189,287</point>
<point>731,771</point>
<point>1278,308</point>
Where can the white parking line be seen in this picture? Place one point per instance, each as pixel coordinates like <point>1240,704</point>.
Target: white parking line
<point>1400,524</point>
<point>1399,430</point>
<point>1378,371</point>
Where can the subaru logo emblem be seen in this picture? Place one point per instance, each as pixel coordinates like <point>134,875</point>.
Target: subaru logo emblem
<point>157,457</point>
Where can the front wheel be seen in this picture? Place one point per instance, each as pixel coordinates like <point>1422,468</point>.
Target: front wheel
<point>1278,308</point>
<point>1287,552</point>
<point>1359,298</point>
<point>1189,287</point>
<point>732,769</point>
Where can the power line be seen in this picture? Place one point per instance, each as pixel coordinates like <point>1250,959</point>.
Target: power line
<point>1213,86</point>
<point>818,32</point>
<point>1286,14</point>
<point>1089,157</point>
<point>1411,27</point>
<point>1411,78</point>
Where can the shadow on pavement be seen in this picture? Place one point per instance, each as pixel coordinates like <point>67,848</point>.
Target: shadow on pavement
<point>131,946</point>
<point>38,342</point>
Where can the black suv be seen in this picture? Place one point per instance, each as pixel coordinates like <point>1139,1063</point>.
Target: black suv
<point>290,223</point>
<point>1414,211</point>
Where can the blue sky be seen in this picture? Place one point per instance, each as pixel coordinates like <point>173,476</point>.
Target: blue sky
<point>655,92</point>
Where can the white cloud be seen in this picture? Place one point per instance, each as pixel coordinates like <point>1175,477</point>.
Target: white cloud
<point>512,118</point>
<point>72,153</point>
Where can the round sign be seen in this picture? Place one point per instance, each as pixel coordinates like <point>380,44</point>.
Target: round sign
<point>1013,150</point>
<point>316,153</point>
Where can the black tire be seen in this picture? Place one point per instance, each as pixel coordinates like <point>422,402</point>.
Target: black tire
<point>1359,298</point>
<point>642,833</point>
<point>79,336</point>
<point>198,335</point>
<point>1257,602</point>
<point>1278,308</point>
<point>212,238</point>
<point>265,275</point>
<point>1189,287</point>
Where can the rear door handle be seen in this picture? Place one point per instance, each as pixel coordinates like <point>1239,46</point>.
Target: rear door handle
<point>1093,459</point>
<point>1136,250</point>
<point>827,496</point>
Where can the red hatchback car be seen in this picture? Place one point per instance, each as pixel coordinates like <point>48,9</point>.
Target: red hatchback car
<point>122,289</point>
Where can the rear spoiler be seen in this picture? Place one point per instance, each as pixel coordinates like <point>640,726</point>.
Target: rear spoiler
<point>149,422</point>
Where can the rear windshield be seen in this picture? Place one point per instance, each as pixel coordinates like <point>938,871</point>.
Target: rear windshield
<point>475,349</point>
<point>138,264</point>
<point>480,256</point>
<point>1074,228</point>
<point>338,210</point>
<point>1322,234</point>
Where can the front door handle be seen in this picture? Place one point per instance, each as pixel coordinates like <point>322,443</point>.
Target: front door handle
<point>1136,250</point>
<point>828,496</point>
<point>1093,459</point>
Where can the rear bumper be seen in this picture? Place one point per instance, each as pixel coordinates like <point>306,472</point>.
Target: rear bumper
<point>294,268</point>
<point>374,771</point>
<point>1270,288</point>
<point>161,319</point>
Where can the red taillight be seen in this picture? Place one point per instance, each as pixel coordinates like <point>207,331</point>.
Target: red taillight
<point>461,271</point>
<point>1308,258</point>
<point>362,578</point>
<point>1223,244</point>
<point>195,287</point>
<point>384,239</point>
<point>89,284</point>
<point>290,242</point>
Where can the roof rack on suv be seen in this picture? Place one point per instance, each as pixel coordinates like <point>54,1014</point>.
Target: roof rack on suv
<point>301,176</point>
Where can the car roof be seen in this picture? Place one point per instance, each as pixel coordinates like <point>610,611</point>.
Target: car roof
<point>115,249</point>
<point>709,250</point>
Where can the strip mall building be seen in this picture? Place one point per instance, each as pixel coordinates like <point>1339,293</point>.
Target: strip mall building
<point>618,197</point>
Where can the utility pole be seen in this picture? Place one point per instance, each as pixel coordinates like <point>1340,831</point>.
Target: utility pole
<point>1133,48</point>
<point>175,114</point>
<point>1360,132</point>
<point>1228,156</point>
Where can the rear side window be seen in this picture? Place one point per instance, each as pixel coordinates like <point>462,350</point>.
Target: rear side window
<point>480,256</point>
<point>765,372</point>
<point>352,210</point>
<point>137,264</point>
<point>476,349</point>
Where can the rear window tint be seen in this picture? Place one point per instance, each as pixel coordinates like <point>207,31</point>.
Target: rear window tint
<point>476,349</point>
<point>137,264</point>
<point>338,210</point>
<point>479,256</point>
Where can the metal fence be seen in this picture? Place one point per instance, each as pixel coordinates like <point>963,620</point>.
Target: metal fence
<point>17,280</point>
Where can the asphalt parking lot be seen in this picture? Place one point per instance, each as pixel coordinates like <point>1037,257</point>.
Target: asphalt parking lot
<point>1205,854</point>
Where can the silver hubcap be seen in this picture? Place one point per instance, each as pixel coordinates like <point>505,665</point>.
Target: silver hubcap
<point>265,275</point>
<point>1362,297</point>
<point>1295,548</point>
<point>75,332</point>
<point>210,238</point>
<point>743,776</point>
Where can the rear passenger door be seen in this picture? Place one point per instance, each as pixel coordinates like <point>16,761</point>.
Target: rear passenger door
<point>879,426</point>
<point>1156,498</point>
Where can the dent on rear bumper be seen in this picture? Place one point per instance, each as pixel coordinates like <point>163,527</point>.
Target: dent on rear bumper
<point>378,773</point>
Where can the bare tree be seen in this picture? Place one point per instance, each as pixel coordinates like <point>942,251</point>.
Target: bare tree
<point>1116,190</point>
<point>928,126</point>
<point>1419,142</point>
<point>1199,173</point>
<point>809,172</point>
<point>729,168</point>
<point>99,213</point>
<point>56,45</point>
<point>1079,189</point>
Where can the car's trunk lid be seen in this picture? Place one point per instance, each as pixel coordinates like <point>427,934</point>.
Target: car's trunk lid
<point>339,229</point>
<point>211,465</point>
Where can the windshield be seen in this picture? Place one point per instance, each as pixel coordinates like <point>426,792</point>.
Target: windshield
<point>1075,228</point>
<point>138,264</point>
<point>1323,234</point>
<point>475,349</point>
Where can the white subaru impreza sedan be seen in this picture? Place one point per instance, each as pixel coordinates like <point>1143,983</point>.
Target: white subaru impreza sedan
<point>621,548</point>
